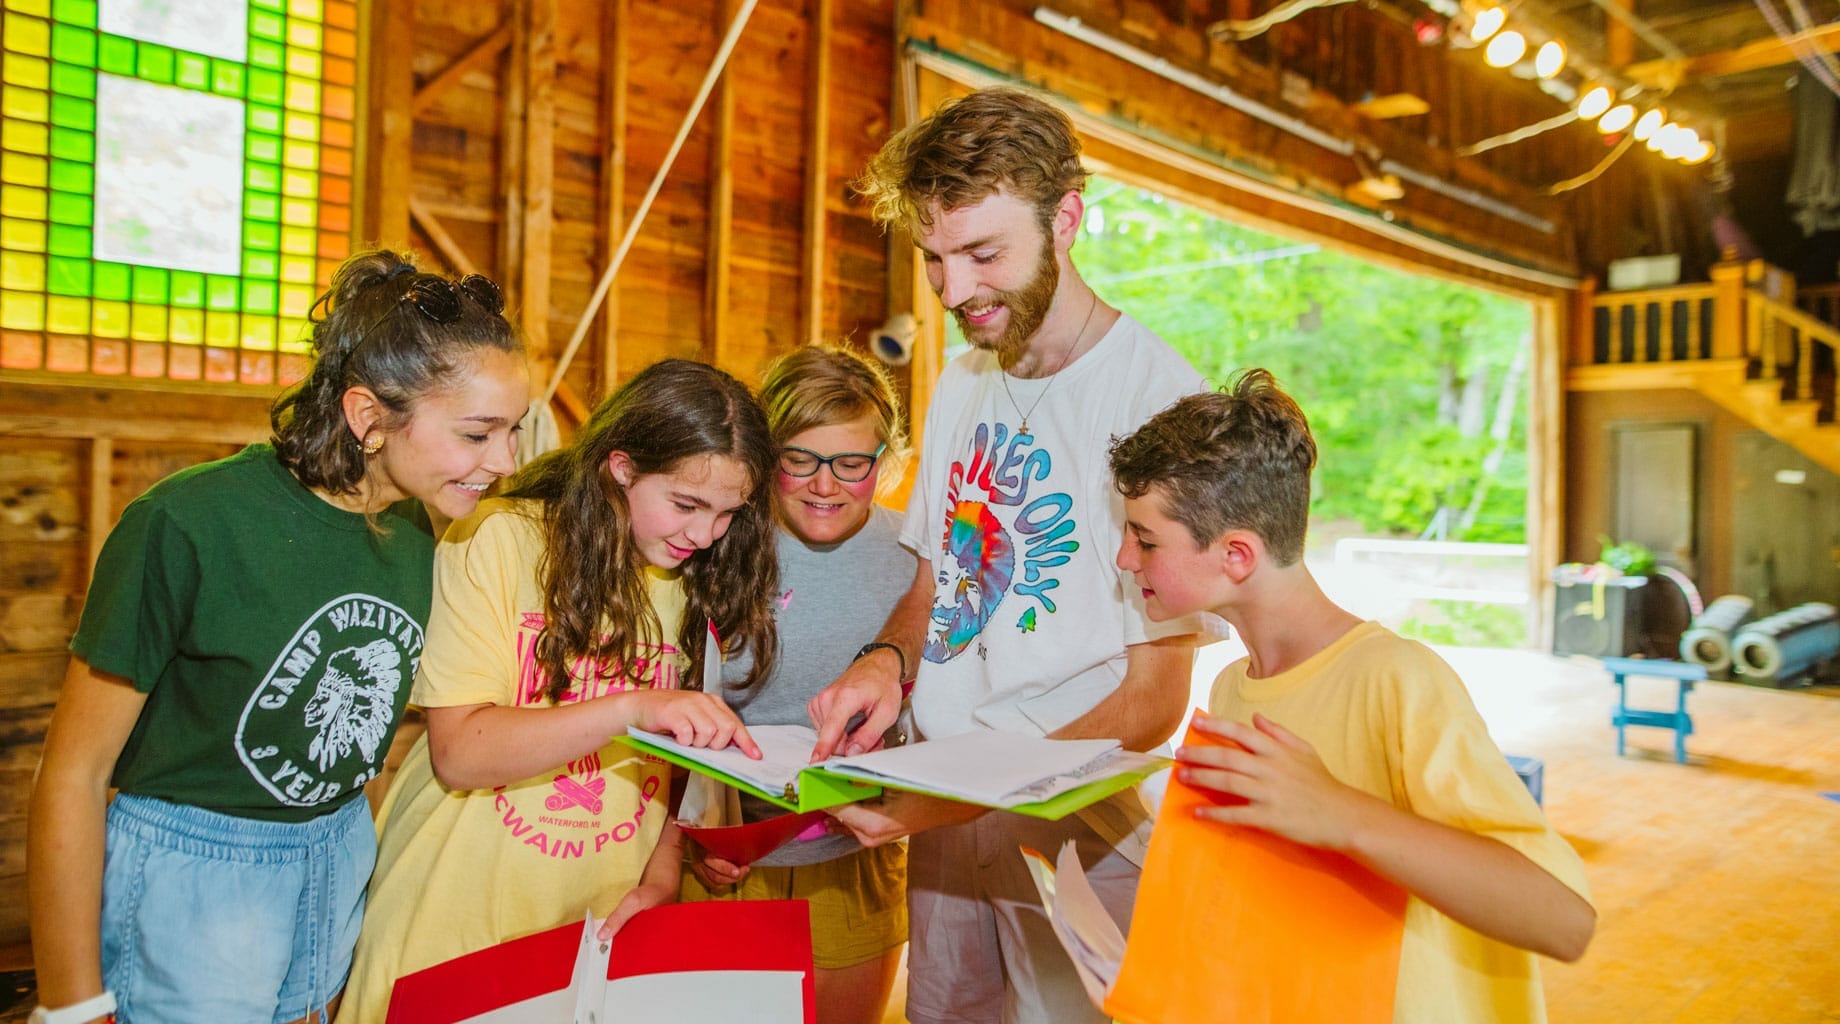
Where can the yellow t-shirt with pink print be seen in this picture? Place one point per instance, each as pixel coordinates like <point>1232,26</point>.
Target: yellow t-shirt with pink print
<point>461,870</point>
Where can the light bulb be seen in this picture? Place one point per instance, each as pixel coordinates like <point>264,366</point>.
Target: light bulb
<point>1617,118</point>
<point>1649,124</point>
<point>1698,153</point>
<point>1487,23</point>
<point>1505,49</point>
<point>1661,136</point>
<point>1679,141</point>
<point>1594,102</point>
<point>1550,60</point>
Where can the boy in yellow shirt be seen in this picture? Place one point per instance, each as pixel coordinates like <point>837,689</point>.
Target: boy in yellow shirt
<point>1349,737</point>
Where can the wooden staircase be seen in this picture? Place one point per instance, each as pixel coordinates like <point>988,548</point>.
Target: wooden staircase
<point>1746,340</point>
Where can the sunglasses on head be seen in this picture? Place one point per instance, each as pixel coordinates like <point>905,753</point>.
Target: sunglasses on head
<point>439,299</point>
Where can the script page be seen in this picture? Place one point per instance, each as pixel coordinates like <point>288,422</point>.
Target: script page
<point>785,751</point>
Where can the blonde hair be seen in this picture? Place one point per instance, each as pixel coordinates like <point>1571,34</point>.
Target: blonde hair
<point>820,385</point>
<point>971,148</point>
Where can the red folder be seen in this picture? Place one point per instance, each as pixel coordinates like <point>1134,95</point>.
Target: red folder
<point>742,845</point>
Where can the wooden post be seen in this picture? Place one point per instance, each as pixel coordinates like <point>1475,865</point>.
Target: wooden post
<point>101,479</point>
<point>511,161</point>
<point>721,206</point>
<point>1584,323</point>
<point>613,179</point>
<point>1619,41</point>
<point>389,83</point>
<point>817,166</point>
<point>1546,458</point>
<point>1728,317</point>
<point>539,171</point>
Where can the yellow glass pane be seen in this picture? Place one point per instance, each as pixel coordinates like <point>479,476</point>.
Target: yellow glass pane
<point>23,271</point>
<point>186,326</point>
<point>31,72</point>
<point>20,201</point>
<point>22,311</point>
<point>304,63</point>
<point>303,184</point>
<point>29,35</point>
<point>26,235</point>
<point>25,136</point>
<point>149,322</point>
<point>304,34</point>
<point>259,332</point>
<point>302,95</point>
<point>298,212</point>
<point>296,125</point>
<point>25,104</point>
<point>111,319</point>
<point>296,300</point>
<point>296,336</point>
<point>20,169</point>
<point>311,10</point>
<point>297,241</point>
<point>65,315</point>
<point>42,8</point>
<point>303,155</point>
<point>296,270</point>
<point>220,329</point>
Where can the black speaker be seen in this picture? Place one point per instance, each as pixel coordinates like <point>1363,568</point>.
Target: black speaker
<point>1601,619</point>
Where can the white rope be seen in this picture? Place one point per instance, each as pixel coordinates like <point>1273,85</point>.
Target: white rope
<point>645,205</point>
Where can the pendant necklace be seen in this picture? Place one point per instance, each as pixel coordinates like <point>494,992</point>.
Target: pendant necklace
<point>1066,356</point>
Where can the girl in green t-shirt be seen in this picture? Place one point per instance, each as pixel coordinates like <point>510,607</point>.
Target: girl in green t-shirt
<point>242,661</point>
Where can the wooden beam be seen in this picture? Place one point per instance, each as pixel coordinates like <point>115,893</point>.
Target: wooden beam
<point>511,162</point>
<point>614,64</point>
<point>388,136</point>
<point>1619,39</point>
<point>444,243</point>
<point>817,166</point>
<point>26,424</point>
<point>721,205</point>
<point>482,53</point>
<point>101,489</point>
<point>539,162</point>
<point>1767,52</point>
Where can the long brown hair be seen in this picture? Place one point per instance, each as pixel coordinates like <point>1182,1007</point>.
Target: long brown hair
<point>593,576</point>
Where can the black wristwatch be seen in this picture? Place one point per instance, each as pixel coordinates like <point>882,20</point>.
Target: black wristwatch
<point>866,648</point>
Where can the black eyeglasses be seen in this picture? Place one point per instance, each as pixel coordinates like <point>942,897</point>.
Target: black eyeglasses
<point>438,299</point>
<point>849,467</point>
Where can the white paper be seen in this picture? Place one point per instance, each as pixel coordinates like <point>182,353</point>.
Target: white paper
<point>786,751</point>
<point>707,997</point>
<point>991,768</point>
<point>1089,935</point>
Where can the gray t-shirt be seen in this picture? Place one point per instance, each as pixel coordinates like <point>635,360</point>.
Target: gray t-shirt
<point>833,599</point>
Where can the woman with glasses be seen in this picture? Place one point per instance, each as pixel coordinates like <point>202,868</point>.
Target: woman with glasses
<point>243,658</point>
<point>839,426</point>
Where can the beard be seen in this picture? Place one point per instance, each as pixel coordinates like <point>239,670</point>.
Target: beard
<point>1028,306</point>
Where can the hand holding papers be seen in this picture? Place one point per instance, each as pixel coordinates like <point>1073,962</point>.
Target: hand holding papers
<point>1026,774</point>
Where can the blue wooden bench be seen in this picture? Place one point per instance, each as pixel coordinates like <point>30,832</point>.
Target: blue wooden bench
<point>1623,716</point>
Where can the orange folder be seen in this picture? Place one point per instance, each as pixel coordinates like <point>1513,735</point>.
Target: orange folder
<point>1236,924</point>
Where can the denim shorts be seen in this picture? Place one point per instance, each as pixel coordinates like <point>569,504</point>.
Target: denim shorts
<point>211,917</point>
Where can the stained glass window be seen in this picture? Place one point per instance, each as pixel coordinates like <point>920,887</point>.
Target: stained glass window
<point>175,183</point>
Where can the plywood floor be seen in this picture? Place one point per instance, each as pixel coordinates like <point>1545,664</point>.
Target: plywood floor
<point>1717,882</point>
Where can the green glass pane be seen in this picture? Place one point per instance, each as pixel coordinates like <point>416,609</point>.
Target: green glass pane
<point>261,264</point>
<point>262,206</point>
<point>72,176</point>
<point>263,177</point>
<point>266,53</point>
<point>264,118</point>
<point>150,285</point>
<point>226,78</point>
<point>273,5</point>
<point>264,86</point>
<point>76,12</point>
<point>261,235</point>
<point>156,63</point>
<point>266,148</point>
<point>220,292</point>
<point>112,281</point>
<point>116,55</point>
<point>66,276</point>
<point>73,45</point>
<point>70,144</point>
<point>70,112</point>
<point>260,297</point>
<point>264,25</point>
<point>69,208</point>
<point>70,241</point>
<point>187,288</point>
<point>73,81</point>
<point>194,72</point>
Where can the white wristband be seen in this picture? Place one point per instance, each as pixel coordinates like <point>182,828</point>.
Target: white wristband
<point>76,1013</point>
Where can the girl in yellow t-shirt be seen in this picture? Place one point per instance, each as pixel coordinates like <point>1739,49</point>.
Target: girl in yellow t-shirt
<point>576,606</point>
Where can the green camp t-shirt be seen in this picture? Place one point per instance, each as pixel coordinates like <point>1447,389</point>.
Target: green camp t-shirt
<point>276,638</point>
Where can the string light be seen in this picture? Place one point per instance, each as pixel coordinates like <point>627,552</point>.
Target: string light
<point>1594,102</point>
<point>1505,49</point>
<point>1617,118</point>
<point>1649,124</point>
<point>1699,153</point>
<point>1550,60</point>
<point>1487,22</point>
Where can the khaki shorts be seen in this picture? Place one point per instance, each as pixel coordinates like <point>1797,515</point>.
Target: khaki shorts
<point>858,901</point>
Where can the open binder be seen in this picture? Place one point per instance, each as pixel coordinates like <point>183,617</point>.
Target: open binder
<point>708,963</point>
<point>1029,775</point>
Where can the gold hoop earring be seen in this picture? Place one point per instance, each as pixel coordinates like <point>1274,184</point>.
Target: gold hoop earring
<point>371,445</point>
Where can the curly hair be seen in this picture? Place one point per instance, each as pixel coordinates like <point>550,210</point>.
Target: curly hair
<point>1234,459</point>
<point>366,335</point>
<point>592,574</point>
<point>819,385</point>
<point>971,148</point>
